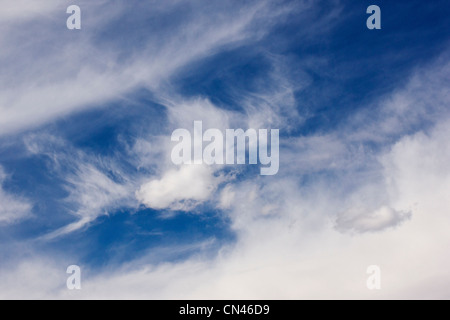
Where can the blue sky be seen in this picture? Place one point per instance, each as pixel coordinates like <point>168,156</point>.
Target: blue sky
<point>86,177</point>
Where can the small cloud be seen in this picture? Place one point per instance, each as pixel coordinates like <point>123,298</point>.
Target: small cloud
<point>356,221</point>
<point>181,189</point>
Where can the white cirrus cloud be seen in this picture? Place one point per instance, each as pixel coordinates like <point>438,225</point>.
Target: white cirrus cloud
<point>12,208</point>
<point>38,85</point>
<point>96,185</point>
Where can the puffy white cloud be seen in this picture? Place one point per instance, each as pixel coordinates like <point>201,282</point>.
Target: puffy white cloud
<point>180,189</point>
<point>184,187</point>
